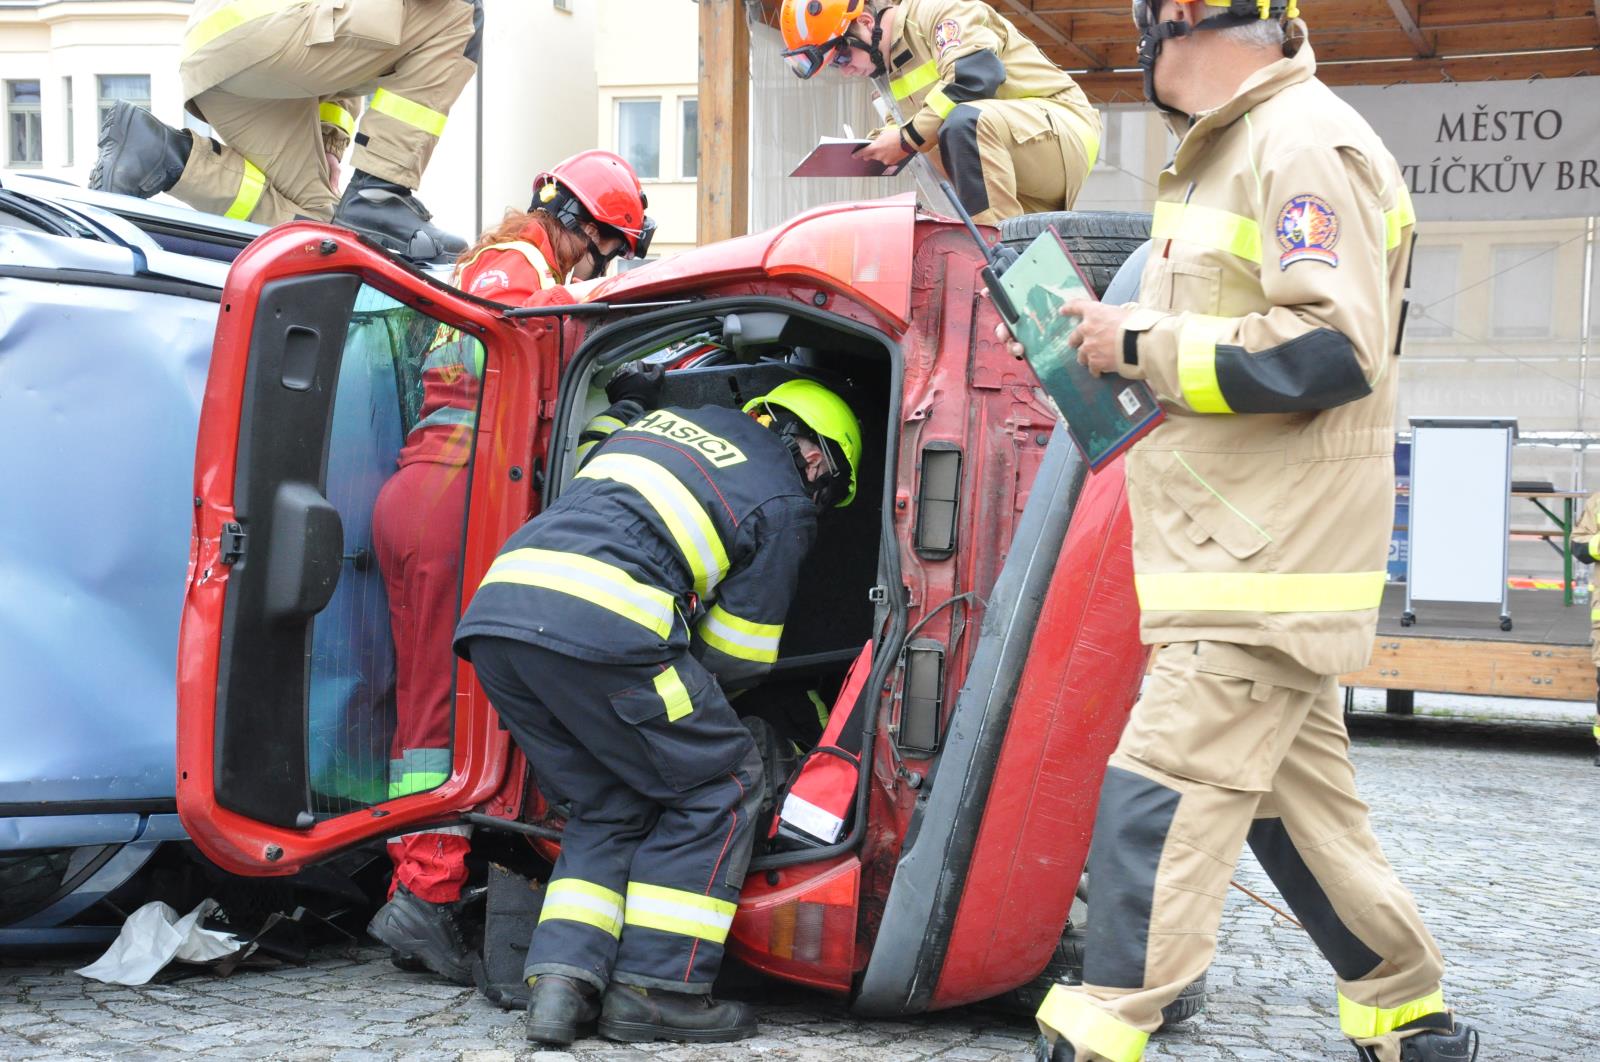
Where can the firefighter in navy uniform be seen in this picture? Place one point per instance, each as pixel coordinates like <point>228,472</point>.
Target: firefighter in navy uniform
<point>1013,131</point>
<point>605,633</point>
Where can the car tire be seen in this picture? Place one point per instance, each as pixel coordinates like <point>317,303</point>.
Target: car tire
<point>1100,241</point>
<point>1066,967</point>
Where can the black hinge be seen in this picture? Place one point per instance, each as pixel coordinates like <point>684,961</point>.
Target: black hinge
<point>232,543</point>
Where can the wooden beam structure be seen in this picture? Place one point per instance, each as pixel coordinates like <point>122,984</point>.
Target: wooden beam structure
<point>1358,42</point>
<point>1405,13</point>
<point>724,181</point>
<point>1020,9</point>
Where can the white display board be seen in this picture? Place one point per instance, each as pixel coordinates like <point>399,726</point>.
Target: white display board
<point>1460,509</point>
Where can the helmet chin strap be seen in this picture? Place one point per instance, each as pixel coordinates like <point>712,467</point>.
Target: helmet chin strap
<point>1150,43</point>
<point>879,67</point>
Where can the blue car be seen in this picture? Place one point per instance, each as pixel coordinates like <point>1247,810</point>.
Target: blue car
<point>107,310</point>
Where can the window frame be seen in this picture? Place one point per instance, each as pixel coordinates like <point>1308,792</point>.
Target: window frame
<point>616,137</point>
<point>102,101</point>
<point>25,111</point>
<point>688,151</point>
<point>1527,253</point>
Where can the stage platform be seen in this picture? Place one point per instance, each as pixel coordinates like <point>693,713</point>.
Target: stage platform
<point>1460,648</point>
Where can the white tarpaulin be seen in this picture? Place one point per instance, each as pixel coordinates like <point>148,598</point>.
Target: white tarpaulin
<point>153,936</point>
<point>1498,150</point>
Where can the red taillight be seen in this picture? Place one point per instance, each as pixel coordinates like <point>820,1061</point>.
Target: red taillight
<point>803,928</point>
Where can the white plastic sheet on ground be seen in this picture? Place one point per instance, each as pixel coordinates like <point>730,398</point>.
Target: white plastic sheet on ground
<point>153,936</point>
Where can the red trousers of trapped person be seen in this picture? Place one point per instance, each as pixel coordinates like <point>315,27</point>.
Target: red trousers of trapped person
<point>417,526</point>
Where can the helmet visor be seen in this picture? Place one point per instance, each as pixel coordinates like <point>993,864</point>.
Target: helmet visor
<point>808,60</point>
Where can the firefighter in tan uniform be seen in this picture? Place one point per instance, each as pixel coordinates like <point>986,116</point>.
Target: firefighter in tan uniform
<point>1015,134</point>
<point>280,80</point>
<point>1586,550</point>
<point>1267,324</point>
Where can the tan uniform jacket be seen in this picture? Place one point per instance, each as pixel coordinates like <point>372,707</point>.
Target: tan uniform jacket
<point>1267,324</point>
<point>224,37</point>
<point>930,36</point>
<point>1587,534</point>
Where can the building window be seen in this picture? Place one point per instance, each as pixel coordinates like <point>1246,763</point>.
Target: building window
<point>24,128</point>
<point>689,147</point>
<point>639,136</point>
<point>562,5</point>
<point>1522,302</point>
<point>1435,283</point>
<point>135,88</point>
<point>66,95</point>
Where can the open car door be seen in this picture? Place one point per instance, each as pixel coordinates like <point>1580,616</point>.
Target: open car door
<point>287,748</point>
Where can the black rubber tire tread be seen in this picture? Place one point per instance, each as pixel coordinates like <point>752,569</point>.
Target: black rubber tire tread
<point>1066,965</point>
<point>1100,241</point>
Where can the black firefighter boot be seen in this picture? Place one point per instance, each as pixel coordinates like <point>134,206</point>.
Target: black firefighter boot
<point>1457,1044</point>
<point>140,155</point>
<point>559,1008</point>
<point>419,932</point>
<point>638,1015</point>
<point>396,220</point>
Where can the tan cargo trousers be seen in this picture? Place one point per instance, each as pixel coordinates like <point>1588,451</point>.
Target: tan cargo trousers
<point>1232,743</point>
<point>1013,157</point>
<point>272,167</point>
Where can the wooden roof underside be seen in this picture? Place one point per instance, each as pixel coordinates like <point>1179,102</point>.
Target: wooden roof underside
<point>1358,42</point>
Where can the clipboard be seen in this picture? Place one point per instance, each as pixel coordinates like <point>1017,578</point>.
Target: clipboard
<point>836,157</point>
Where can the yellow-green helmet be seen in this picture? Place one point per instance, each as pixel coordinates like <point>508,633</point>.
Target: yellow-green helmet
<point>827,416</point>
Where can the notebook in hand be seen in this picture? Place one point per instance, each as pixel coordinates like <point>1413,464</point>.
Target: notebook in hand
<point>1104,414</point>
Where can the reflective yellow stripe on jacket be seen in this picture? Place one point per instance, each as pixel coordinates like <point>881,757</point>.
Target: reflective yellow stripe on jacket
<point>1259,591</point>
<point>229,18</point>
<point>915,80</point>
<point>1208,227</point>
<point>1397,220</point>
<point>1070,1014</point>
<point>691,529</point>
<point>687,914</point>
<point>740,638</point>
<point>577,900</point>
<point>1359,1021</point>
<point>1197,363</point>
<point>335,115</point>
<point>601,584</point>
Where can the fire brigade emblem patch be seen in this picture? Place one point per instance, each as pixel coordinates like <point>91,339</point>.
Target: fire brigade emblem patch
<point>1308,229</point>
<point>946,35</point>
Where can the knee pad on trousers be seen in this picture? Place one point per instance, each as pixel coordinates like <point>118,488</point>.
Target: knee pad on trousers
<point>958,148</point>
<point>1276,851</point>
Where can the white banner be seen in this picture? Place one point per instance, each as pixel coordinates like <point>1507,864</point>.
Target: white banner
<point>1492,149</point>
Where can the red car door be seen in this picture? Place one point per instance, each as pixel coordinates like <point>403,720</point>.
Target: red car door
<point>287,666</point>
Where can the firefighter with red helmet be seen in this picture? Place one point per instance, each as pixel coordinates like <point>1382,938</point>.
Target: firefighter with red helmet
<point>605,633</point>
<point>585,211</point>
<point>1015,133</point>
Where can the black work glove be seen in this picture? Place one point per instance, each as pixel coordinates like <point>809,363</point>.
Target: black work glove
<point>637,382</point>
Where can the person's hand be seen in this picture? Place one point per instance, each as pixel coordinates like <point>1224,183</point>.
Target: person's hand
<point>636,382</point>
<point>1098,337</point>
<point>333,170</point>
<point>885,149</point>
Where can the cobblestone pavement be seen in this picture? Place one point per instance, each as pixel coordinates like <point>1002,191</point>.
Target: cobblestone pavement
<point>1493,827</point>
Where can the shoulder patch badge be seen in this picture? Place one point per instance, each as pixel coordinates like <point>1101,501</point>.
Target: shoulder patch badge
<point>1308,229</point>
<point>946,35</point>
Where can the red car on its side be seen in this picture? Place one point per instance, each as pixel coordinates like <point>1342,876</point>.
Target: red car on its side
<point>989,573</point>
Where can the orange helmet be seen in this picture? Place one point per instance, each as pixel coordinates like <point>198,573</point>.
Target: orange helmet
<point>814,32</point>
<point>601,187</point>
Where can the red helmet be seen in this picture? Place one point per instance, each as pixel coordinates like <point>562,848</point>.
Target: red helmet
<point>606,189</point>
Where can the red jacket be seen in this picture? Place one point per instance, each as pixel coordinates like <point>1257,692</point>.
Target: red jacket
<point>518,272</point>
